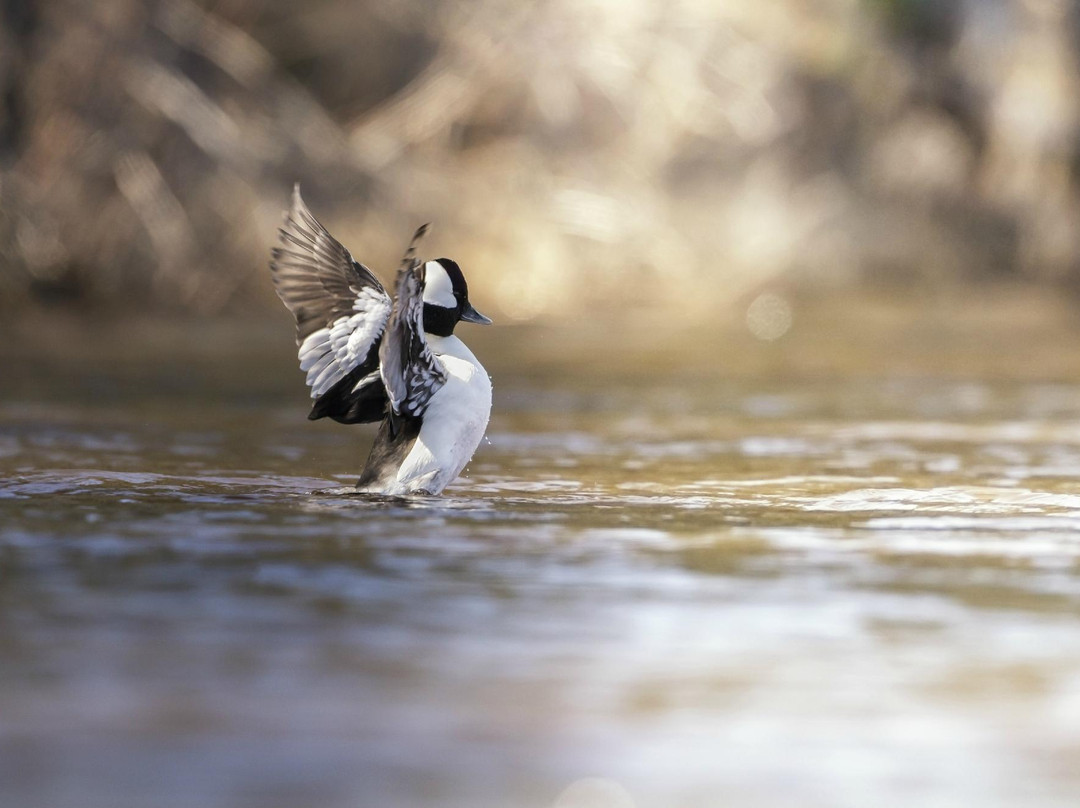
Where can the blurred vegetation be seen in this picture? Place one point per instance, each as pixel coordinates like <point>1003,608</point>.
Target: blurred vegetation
<point>572,153</point>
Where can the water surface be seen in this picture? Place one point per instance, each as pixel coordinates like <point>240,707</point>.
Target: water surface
<point>671,589</point>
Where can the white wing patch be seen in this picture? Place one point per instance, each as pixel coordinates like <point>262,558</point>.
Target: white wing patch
<point>328,354</point>
<point>374,376</point>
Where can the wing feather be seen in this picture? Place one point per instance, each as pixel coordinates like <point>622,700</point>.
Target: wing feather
<point>410,371</point>
<point>341,309</point>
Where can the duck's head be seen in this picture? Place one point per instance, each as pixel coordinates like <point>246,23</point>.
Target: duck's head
<point>446,298</point>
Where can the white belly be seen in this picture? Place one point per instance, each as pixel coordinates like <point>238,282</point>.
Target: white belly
<point>454,422</point>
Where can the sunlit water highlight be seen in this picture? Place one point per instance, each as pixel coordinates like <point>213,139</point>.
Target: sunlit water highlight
<point>836,595</point>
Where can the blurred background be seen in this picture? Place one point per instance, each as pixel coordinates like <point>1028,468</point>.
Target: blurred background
<point>574,156</point>
<point>778,503</point>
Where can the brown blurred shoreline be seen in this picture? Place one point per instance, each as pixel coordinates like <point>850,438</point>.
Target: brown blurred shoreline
<point>998,331</point>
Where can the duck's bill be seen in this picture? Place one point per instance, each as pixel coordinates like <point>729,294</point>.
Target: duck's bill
<point>471,315</point>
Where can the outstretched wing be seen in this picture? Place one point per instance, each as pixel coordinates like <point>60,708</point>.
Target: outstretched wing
<point>341,311</point>
<point>410,371</point>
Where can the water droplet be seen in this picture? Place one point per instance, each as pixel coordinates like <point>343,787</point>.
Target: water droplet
<point>768,317</point>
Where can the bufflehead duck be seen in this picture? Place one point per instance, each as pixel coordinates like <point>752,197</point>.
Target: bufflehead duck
<point>371,359</point>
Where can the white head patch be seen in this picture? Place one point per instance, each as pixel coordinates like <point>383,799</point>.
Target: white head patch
<point>438,288</point>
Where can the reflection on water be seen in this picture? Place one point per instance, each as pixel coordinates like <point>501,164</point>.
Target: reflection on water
<point>725,593</point>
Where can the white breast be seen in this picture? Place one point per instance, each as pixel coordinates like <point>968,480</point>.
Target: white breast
<point>454,422</point>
